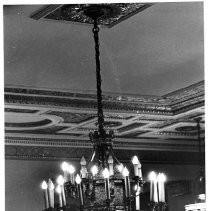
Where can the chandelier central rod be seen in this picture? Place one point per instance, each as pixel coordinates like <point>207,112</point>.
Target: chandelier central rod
<point>98,79</point>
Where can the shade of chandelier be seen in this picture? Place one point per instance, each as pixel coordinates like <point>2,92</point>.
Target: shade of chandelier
<point>103,183</point>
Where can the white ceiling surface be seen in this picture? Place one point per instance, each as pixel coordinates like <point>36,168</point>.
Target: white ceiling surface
<point>152,53</point>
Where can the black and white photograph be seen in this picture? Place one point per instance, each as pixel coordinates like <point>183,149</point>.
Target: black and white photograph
<point>104,106</point>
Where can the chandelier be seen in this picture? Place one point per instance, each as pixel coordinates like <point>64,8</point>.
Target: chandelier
<point>103,182</point>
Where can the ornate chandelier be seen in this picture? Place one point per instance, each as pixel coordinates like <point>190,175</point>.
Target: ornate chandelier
<point>103,183</point>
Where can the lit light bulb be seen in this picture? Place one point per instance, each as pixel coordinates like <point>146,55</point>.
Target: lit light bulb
<point>64,166</point>
<point>125,172</point>
<point>106,173</point>
<point>110,159</point>
<point>94,170</point>
<point>83,161</point>
<point>78,179</point>
<point>44,185</point>
<point>120,167</point>
<point>60,180</point>
<point>71,169</point>
<point>50,184</point>
<point>58,189</point>
<point>161,177</point>
<point>135,160</point>
<point>152,176</point>
<point>202,197</point>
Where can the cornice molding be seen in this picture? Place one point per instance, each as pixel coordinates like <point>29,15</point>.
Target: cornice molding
<point>191,146</point>
<point>73,154</point>
<point>171,104</point>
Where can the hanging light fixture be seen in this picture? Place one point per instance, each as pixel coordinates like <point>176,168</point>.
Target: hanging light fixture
<point>103,183</point>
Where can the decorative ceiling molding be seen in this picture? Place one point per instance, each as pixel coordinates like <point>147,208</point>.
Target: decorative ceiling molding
<point>118,144</point>
<point>60,153</point>
<point>141,123</point>
<point>178,102</point>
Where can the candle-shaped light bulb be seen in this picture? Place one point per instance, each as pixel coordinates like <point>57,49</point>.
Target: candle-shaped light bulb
<point>125,172</point>
<point>106,173</point>
<point>78,179</point>
<point>79,186</point>
<point>135,162</point>
<point>139,170</point>
<point>44,185</point>
<point>64,166</point>
<point>83,161</point>
<point>111,167</point>
<point>110,159</point>
<point>120,167</point>
<point>71,169</point>
<point>152,176</point>
<point>58,190</point>
<point>51,185</point>
<point>51,188</point>
<point>60,180</point>
<point>153,187</point>
<point>83,170</point>
<point>161,178</point>
<point>44,188</point>
<point>94,170</point>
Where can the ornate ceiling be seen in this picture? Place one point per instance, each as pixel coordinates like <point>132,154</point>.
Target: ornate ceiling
<point>152,55</point>
<point>44,119</point>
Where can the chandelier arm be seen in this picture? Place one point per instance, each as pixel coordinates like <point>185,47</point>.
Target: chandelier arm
<point>98,79</point>
<point>112,153</point>
<point>92,156</point>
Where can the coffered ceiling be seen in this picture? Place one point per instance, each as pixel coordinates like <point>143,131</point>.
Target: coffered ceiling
<point>153,83</point>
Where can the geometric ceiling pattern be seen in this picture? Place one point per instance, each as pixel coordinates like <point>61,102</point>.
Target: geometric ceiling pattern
<point>43,118</point>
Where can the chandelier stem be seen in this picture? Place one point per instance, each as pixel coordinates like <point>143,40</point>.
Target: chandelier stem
<point>98,79</point>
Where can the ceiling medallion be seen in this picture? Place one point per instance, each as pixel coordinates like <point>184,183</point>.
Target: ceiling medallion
<point>109,14</point>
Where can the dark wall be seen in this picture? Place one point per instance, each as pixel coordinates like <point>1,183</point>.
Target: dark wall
<point>23,179</point>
